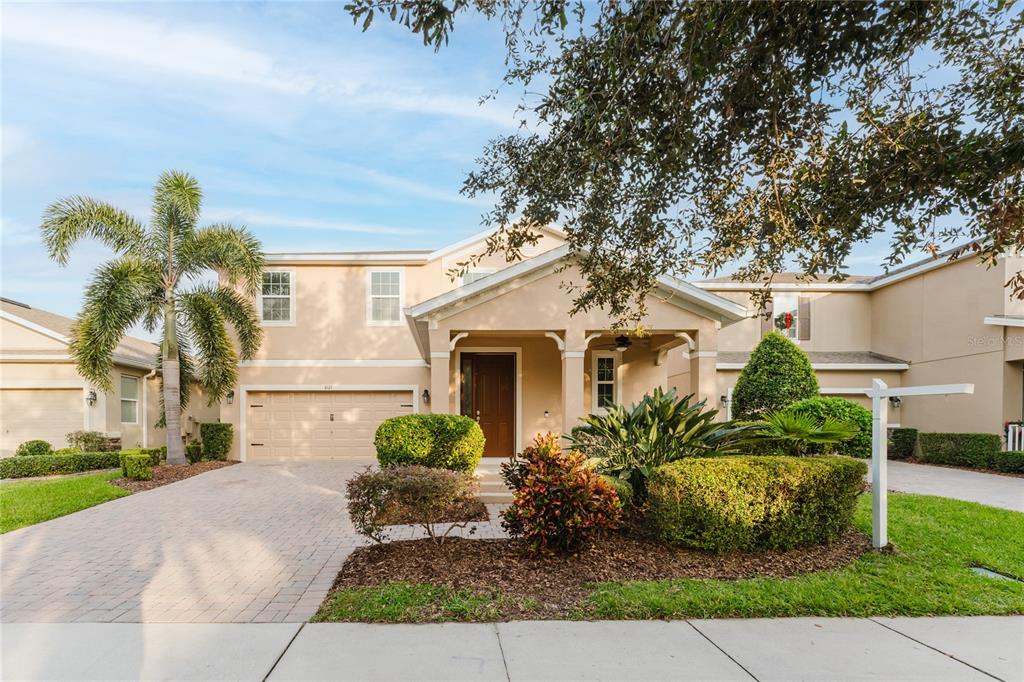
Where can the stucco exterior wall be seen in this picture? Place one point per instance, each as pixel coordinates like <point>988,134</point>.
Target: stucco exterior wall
<point>840,321</point>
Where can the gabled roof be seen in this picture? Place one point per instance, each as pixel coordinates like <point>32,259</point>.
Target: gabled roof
<point>402,256</point>
<point>796,280</point>
<point>130,351</point>
<point>678,292</point>
<point>836,360</point>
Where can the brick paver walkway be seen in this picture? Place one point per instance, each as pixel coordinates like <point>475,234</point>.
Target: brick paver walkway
<point>247,543</point>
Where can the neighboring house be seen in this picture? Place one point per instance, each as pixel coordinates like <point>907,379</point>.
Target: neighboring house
<point>43,397</point>
<point>931,322</point>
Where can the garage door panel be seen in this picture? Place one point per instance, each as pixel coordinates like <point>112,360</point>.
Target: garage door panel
<point>299,424</point>
<point>44,414</point>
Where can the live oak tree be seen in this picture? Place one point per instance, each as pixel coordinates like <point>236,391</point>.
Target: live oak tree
<point>683,136</point>
<point>156,279</point>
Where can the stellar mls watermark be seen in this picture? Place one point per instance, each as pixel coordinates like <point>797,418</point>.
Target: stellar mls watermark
<point>994,341</point>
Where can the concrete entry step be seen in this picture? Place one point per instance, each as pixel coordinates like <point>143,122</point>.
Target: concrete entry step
<point>492,488</point>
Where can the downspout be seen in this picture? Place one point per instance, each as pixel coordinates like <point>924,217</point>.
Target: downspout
<point>145,407</point>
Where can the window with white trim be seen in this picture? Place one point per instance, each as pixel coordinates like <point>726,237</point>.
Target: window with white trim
<point>786,315</point>
<point>605,380</point>
<point>129,399</point>
<point>385,297</point>
<point>277,298</point>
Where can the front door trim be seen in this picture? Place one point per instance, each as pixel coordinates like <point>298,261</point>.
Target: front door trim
<point>500,350</point>
<point>244,390</point>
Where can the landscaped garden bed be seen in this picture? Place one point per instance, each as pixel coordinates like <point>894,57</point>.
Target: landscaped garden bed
<point>927,572</point>
<point>553,585</point>
<point>166,473</point>
<point>660,510</point>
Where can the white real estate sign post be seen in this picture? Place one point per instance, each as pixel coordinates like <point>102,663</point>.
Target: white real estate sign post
<point>878,393</point>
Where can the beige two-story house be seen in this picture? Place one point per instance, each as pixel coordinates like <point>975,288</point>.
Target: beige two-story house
<point>355,337</point>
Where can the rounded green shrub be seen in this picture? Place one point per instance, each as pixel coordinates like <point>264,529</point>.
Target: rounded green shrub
<point>439,441</point>
<point>193,452</point>
<point>32,448</point>
<point>137,467</point>
<point>742,503</point>
<point>843,410</point>
<point>777,375</point>
<point>216,437</point>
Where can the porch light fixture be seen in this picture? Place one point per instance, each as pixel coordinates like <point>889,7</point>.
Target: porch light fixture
<point>231,397</point>
<point>425,396</point>
<point>622,343</point>
<point>90,397</point>
<point>895,401</point>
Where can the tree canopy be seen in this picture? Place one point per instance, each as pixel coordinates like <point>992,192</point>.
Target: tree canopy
<point>683,136</point>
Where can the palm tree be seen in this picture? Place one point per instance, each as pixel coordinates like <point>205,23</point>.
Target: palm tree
<point>156,279</point>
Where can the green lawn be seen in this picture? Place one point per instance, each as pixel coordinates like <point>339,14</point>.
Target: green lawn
<point>23,503</point>
<point>936,540</point>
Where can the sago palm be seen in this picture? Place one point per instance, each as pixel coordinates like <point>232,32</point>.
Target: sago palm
<point>156,279</point>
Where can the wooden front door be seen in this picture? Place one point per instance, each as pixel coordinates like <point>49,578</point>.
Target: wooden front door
<point>491,387</point>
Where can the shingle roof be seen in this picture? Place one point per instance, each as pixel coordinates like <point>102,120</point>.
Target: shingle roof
<point>823,358</point>
<point>129,347</point>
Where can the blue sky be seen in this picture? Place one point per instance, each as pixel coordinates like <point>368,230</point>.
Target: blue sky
<point>312,133</point>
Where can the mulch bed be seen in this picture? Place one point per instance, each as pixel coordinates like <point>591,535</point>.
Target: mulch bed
<point>167,473</point>
<point>558,582</point>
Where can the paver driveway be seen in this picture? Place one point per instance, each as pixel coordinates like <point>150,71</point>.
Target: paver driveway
<point>245,543</point>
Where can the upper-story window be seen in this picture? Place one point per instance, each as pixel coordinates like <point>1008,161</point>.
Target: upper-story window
<point>475,275</point>
<point>791,316</point>
<point>277,298</point>
<point>129,399</point>
<point>384,297</point>
<point>605,381</point>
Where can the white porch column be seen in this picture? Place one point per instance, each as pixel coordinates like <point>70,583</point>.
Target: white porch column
<point>572,378</point>
<point>440,376</point>
<point>703,372</point>
<point>440,400</point>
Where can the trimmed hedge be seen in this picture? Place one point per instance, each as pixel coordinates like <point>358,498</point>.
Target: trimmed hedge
<point>137,466</point>
<point>216,437</point>
<point>439,441</point>
<point>33,448</point>
<point>840,409</point>
<point>740,503</point>
<point>902,443</point>
<point>46,465</point>
<point>777,375</point>
<point>155,455</point>
<point>977,450</point>
<point>1009,462</point>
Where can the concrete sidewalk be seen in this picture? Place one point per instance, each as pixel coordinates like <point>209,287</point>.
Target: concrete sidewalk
<point>982,648</point>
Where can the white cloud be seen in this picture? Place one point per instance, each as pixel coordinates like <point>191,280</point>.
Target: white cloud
<point>258,218</point>
<point>145,43</point>
<point>142,46</point>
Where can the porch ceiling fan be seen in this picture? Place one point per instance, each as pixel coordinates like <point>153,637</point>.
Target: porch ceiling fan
<point>619,343</point>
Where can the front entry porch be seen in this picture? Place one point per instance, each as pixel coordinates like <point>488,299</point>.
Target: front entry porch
<point>524,383</point>
<point>508,347</point>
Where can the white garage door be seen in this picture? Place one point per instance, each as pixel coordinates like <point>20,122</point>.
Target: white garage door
<point>319,424</point>
<point>44,414</point>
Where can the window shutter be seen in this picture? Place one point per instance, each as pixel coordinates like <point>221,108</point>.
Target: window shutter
<point>766,322</point>
<point>804,318</point>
